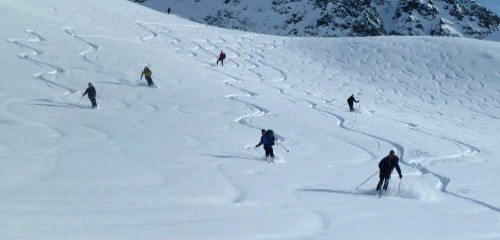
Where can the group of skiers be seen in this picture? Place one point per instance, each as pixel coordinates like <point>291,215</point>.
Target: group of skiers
<point>146,73</point>
<point>92,93</point>
<point>386,165</point>
<point>267,139</point>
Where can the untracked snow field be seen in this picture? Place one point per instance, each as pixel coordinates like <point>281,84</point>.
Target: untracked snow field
<point>178,161</point>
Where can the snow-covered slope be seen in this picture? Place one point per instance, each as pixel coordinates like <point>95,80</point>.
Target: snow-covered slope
<point>340,18</point>
<point>178,162</point>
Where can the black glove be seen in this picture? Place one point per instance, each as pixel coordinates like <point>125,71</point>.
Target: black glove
<point>257,145</point>
<point>400,176</point>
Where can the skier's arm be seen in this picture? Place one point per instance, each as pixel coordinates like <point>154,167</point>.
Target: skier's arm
<point>85,93</point>
<point>260,143</point>
<point>142,74</point>
<point>399,170</point>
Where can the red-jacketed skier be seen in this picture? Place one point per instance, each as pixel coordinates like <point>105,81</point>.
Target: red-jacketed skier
<point>222,56</point>
<point>386,166</point>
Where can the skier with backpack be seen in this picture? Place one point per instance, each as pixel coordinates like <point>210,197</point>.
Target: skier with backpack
<point>350,101</point>
<point>267,139</point>
<point>386,166</point>
<point>147,74</point>
<point>91,94</point>
<point>222,56</point>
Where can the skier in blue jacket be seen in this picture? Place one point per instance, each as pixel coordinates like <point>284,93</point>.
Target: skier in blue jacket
<point>267,139</point>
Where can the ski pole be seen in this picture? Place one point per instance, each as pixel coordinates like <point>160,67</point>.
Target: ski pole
<point>103,98</point>
<point>368,179</point>
<point>80,100</point>
<point>399,190</point>
<point>283,147</point>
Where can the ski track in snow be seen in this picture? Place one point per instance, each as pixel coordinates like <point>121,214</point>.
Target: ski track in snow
<point>257,60</point>
<point>245,120</point>
<point>254,62</point>
<point>260,111</point>
<point>44,76</point>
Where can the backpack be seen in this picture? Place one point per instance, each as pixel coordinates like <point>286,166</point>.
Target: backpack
<point>270,136</point>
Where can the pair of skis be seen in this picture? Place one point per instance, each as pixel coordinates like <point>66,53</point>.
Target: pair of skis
<point>380,192</point>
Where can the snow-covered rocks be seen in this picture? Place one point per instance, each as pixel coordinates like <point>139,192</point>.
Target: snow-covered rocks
<point>341,18</point>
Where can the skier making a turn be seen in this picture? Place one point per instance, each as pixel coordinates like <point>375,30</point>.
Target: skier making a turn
<point>267,140</point>
<point>147,74</point>
<point>222,56</point>
<point>91,94</point>
<point>386,166</point>
<point>351,100</point>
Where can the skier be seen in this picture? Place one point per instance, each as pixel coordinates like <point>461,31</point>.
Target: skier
<point>168,10</point>
<point>222,56</point>
<point>91,94</point>
<point>267,139</point>
<point>386,166</point>
<point>351,100</point>
<point>147,74</point>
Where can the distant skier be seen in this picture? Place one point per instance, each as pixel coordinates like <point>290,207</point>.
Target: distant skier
<point>91,94</point>
<point>147,74</point>
<point>222,56</point>
<point>351,100</point>
<point>386,166</point>
<point>267,139</point>
<point>168,10</point>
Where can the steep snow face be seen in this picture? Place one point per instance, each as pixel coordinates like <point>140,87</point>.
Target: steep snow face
<point>178,161</point>
<point>336,18</point>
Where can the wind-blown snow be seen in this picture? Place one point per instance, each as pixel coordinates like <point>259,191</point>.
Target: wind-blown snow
<point>178,162</point>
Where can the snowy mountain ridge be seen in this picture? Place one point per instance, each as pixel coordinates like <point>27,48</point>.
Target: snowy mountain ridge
<point>340,18</point>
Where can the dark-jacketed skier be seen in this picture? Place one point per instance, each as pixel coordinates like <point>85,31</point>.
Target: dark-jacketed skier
<point>146,73</point>
<point>91,93</point>
<point>350,101</point>
<point>386,166</point>
<point>267,139</point>
<point>222,56</point>
<point>169,10</point>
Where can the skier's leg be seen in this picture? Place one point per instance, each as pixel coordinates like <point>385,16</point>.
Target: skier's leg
<point>218,60</point>
<point>150,81</point>
<point>222,61</point>
<point>94,103</point>
<point>380,182</point>
<point>386,184</point>
<point>271,152</point>
<point>267,151</point>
